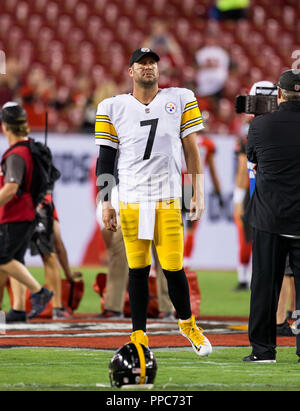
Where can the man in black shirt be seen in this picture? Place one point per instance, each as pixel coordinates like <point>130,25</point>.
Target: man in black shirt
<point>274,213</point>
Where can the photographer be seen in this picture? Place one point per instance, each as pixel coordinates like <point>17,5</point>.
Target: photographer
<point>17,211</point>
<point>274,213</point>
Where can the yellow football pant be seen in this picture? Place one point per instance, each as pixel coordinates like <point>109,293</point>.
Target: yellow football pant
<point>168,236</point>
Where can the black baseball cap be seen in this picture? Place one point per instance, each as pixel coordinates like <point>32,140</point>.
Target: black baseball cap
<point>290,80</point>
<point>13,113</point>
<point>138,54</point>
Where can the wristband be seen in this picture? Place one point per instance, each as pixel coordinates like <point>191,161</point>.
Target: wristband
<point>239,195</point>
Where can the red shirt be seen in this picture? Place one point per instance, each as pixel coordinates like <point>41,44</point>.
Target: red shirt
<point>21,207</point>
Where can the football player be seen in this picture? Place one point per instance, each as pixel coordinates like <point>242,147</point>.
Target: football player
<point>148,128</point>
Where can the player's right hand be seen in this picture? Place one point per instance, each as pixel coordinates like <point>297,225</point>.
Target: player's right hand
<point>109,216</point>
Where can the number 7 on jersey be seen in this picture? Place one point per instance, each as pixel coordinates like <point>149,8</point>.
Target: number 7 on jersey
<point>153,123</point>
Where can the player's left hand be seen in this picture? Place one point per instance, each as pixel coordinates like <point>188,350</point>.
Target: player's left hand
<point>197,209</point>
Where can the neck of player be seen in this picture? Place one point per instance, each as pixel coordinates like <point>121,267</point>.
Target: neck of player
<point>145,94</point>
<point>12,139</point>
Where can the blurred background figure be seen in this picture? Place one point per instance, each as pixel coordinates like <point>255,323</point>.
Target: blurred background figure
<point>9,84</point>
<point>232,9</point>
<point>213,68</point>
<point>171,58</point>
<point>207,150</point>
<point>241,198</point>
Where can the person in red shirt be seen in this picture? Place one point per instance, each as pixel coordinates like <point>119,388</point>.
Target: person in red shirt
<point>17,211</point>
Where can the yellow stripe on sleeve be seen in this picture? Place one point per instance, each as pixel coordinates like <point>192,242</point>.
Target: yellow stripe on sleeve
<point>190,104</point>
<point>192,124</point>
<point>189,115</point>
<point>102,117</point>
<point>105,127</point>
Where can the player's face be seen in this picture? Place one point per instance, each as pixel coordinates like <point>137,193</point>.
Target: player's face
<point>145,72</point>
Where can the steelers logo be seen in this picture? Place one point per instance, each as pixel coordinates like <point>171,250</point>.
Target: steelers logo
<point>171,108</point>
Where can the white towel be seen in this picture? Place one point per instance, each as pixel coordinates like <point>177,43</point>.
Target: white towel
<point>146,221</point>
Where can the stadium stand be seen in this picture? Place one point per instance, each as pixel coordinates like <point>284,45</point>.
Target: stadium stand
<point>65,56</point>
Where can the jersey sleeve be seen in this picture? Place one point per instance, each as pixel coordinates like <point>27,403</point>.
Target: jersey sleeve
<point>191,119</point>
<point>105,132</point>
<point>15,169</point>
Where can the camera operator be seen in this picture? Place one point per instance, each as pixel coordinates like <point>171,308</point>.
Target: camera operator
<point>262,98</point>
<point>274,213</point>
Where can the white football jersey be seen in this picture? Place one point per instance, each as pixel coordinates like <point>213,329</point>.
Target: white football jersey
<point>148,138</point>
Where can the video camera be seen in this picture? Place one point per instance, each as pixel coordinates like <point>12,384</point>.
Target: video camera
<point>263,102</point>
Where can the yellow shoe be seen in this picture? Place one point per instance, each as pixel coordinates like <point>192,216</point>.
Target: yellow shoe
<point>139,337</point>
<point>199,342</point>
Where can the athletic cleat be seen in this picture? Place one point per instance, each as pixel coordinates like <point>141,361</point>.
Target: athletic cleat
<point>39,302</point>
<point>242,287</point>
<point>284,330</point>
<point>14,316</point>
<point>166,316</point>
<point>139,337</point>
<point>111,315</point>
<point>200,343</point>
<point>60,314</point>
<point>260,359</point>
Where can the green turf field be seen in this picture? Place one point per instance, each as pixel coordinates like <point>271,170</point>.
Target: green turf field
<point>178,370</point>
<point>218,297</point>
<point>72,370</point>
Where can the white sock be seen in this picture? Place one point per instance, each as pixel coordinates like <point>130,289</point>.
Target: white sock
<point>243,273</point>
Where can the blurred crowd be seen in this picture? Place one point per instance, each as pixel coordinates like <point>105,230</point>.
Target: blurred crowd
<point>219,55</point>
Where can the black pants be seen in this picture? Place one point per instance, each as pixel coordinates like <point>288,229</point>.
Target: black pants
<point>14,241</point>
<point>270,252</point>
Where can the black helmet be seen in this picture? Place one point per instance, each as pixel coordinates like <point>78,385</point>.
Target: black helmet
<point>132,364</point>
<point>13,113</point>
